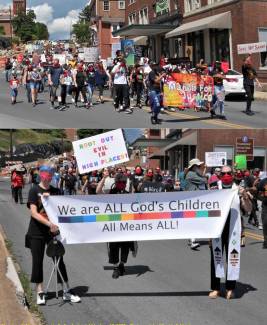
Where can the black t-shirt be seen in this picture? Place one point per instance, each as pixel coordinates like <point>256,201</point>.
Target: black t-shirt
<point>153,85</point>
<point>136,180</point>
<point>262,187</point>
<point>36,228</point>
<point>80,78</point>
<point>152,187</point>
<point>70,181</point>
<point>249,75</point>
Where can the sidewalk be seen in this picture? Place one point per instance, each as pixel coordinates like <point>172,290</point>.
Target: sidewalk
<point>262,95</point>
<point>11,310</point>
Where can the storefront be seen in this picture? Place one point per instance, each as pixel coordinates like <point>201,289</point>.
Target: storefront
<point>208,38</point>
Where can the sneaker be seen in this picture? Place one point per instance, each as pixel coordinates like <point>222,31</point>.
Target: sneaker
<point>52,107</point>
<point>61,108</point>
<point>128,111</point>
<point>162,109</point>
<point>40,298</point>
<point>260,227</point>
<point>121,108</point>
<point>73,100</point>
<point>121,269</point>
<point>69,295</point>
<point>194,245</point>
<point>116,273</point>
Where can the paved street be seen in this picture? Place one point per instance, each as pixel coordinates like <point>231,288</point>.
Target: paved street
<point>22,115</point>
<point>166,284</point>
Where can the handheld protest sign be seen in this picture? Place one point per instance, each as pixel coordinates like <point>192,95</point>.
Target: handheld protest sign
<point>215,159</point>
<point>100,151</point>
<point>241,161</point>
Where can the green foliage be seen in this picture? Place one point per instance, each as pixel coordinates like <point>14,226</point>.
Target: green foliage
<point>85,133</point>
<point>82,31</point>
<point>41,31</point>
<point>25,27</point>
<point>85,14</point>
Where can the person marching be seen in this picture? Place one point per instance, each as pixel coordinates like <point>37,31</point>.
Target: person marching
<point>40,232</point>
<point>14,84</point>
<point>34,77</point>
<point>118,251</point>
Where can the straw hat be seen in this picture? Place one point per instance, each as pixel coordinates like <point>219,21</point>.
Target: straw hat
<point>194,162</point>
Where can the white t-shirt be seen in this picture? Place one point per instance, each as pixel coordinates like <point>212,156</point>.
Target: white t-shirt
<point>120,77</point>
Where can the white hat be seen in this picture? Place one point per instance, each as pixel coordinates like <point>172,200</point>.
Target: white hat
<point>194,162</point>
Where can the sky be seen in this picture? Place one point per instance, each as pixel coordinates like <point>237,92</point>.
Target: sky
<point>58,15</point>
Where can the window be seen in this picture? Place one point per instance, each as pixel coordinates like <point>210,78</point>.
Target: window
<point>191,5</point>
<point>143,16</point>
<point>106,5</point>
<point>131,2</point>
<point>114,28</point>
<point>132,18</point>
<point>263,55</point>
<point>122,4</point>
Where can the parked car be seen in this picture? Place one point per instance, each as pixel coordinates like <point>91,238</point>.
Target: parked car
<point>233,83</point>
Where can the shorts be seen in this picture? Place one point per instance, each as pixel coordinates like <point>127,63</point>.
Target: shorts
<point>14,92</point>
<point>33,85</point>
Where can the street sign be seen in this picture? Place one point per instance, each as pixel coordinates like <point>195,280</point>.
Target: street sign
<point>251,48</point>
<point>245,146</point>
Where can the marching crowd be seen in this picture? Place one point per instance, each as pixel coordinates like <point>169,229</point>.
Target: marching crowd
<point>143,82</point>
<point>65,180</point>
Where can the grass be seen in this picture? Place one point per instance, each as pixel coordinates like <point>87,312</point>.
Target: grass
<point>24,136</point>
<point>25,282</point>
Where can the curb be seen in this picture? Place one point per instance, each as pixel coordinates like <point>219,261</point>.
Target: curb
<point>261,95</point>
<point>12,273</point>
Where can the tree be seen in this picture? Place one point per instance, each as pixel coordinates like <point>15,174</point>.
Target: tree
<point>2,30</point>
<point>24,25</point>
<point>85,133</point>
<point>41,31</point>
<point>85,14</point>
<point>82,32</point>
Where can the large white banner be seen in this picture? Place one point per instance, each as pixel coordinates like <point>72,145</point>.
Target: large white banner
<point>251,48</point>
<point>100,151</point>
<point>140,216</point>
<point>215,159</point>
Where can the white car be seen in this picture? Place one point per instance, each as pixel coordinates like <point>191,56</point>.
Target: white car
<point>233,83</point>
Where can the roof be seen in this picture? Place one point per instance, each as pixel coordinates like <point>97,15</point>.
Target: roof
<point>220,21</point>
<point>143,30</point>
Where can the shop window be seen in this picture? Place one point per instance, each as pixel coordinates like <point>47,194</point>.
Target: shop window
<point>263,55</point>
<point>106,5</point>
<point>154,132</point>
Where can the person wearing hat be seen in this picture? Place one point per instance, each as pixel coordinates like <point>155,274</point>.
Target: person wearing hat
<point>195,181</point>
<point>117,251</point>
<point>40,232</point>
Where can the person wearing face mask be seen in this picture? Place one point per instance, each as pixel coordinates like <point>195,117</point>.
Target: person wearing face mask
<point>80,84</point>
<point>152,183</point>
<point>40,232</point>
<point>137,177</point>
<point>118,251</point>
<point>227,181</point>
<point>54,74</point>
<point>195,180</point>
<point>70,181</point>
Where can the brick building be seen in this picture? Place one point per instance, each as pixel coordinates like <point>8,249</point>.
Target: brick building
<point>107,17</point>
<point>209,29</point>
<point>212,29</point>
<point>7,14</point>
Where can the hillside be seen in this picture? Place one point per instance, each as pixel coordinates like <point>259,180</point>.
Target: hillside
<point>28,136</point>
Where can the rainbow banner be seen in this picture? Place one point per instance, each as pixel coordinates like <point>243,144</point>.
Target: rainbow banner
<point>141,216</point>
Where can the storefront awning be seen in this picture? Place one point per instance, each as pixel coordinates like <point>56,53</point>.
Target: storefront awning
<point>140,40</point>
<point>221,21</point>
<point>142,30</point>
<point>188,140</point>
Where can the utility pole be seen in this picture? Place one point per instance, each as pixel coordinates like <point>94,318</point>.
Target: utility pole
<point>10,24</point>
<point>11,143</point>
